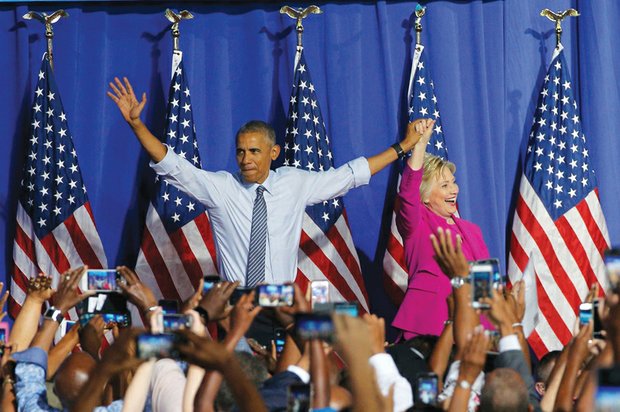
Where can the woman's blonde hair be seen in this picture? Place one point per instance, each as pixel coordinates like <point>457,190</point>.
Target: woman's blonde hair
<point>434,167</point>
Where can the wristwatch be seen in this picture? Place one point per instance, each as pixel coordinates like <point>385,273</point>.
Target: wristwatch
<point>464,384</point>
<point>457,282</point>
<point>399,150</point>
<point>53,314</point>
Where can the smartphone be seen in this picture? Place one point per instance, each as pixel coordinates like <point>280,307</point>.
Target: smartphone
<point>298,398</point>
<point>612,266</point>
<point>157,346</point>
<point>585,313</point>
<point>169,306</point>
<point>607,395</point>
<point>100,280</point>
<point>426,390</point>
<point>123,320</point>
<point>279,337</point>
<point>272,296</point>
<point>209,282</point>
<point>481,278</point>
<point>498,277</point>
<point>62,330</point>
<point>237,293</point>
<point>4,332</point>
<point>314,326</point>
<point>597,324</point>
<point>176,321</point>
<point>320,293</point>
<point>347,308</point>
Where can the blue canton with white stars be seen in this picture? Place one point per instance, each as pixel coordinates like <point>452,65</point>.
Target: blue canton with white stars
<point>52,185</point>
<point>176,208</point>
<point>423,104</point>
<point>306,145</point>
<point>557,160</point>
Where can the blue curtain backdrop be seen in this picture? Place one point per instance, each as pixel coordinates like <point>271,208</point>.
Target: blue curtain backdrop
<point>487,60</point>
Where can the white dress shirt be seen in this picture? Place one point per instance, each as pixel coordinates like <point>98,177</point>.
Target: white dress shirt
<point>387,375</point>
<point>230,201</point>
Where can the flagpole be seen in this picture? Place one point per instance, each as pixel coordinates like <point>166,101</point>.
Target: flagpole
<point>419,13</point>
<point>557,17</point>
<point>175,19</point>
<point>300,14</point>
<point>49,31</point>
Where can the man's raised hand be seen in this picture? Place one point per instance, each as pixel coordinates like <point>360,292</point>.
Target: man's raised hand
<point>125,98</point>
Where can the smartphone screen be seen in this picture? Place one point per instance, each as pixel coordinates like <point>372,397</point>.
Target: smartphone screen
<point>346,308</point>
<point>209,282</point>
<point>100,280</point>
<point>158,346</point>
<point>426,389</point>
<point>585,313</point>
<point>497,276</point>
<point>298,398</point>
<point>175,321</point>
<point>607,396</point>
<point>272,296</point>
<point>320,293</point>
<point>314,326</point>
<point>121,319</point>
<point>481,278</point>
<point>279,337</point>
<point>4,332</point>
<point>612,266</point>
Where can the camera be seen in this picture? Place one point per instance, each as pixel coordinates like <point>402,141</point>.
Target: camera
<point>279,337</point>
<point>426,389</point>
<point>272,296</point>
<point>157,346</point>
<point>347,308</point>
<point>320,293</point>
<point>298,398</point>
<point>237,293</point>
<point>208,282</point>
<point>481,277</point>
<point>314,326</point>
<point>100,280</point>
<point>176,321</point>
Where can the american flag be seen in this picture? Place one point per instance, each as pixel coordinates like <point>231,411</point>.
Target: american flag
<point>558,225</point>
<point>177,244</point>
<point>422,103</point>
<point>326,249</point>
<point>55,228</point>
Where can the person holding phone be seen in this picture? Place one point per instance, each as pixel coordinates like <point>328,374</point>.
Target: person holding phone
<point>426,203</point>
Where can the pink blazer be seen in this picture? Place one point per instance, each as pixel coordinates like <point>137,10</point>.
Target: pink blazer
<point>424,308</point>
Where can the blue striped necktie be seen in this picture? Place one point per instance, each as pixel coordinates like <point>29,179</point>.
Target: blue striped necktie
<point>255,272</point>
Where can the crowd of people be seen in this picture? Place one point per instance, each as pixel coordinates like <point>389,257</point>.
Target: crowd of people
<point>224,351</point>
<point>205,368</point>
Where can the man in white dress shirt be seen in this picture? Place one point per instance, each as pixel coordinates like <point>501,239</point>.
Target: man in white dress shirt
<point>229,198</point>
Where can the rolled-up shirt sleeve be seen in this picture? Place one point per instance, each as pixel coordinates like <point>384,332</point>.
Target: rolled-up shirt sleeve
<point>336,182</point>
<point>200,184</point>
<point>387,375</point>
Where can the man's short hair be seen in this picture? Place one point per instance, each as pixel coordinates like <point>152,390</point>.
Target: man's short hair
<point>258,126</point>
<point>545,366</point>
<point>504,391</point>
<point>253,368</point>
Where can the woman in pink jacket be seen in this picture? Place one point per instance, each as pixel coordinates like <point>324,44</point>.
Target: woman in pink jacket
<point>427,201</point>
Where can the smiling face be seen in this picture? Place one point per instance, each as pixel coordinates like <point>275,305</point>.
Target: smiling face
<point>443,192</point>
<point>255,152</point>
